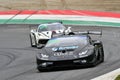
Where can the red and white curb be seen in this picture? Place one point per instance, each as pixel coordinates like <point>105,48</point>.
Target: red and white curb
<point>61,12</point>
<point>61,15</point>
<point>109,76</point>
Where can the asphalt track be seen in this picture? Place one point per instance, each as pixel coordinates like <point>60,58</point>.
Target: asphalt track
<point>17,58</point>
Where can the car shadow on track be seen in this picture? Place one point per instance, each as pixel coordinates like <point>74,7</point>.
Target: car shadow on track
<point>65,69</point>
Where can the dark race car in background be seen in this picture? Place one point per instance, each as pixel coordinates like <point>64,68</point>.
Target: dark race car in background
<point>77,49</point>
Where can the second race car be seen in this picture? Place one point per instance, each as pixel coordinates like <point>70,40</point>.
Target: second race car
<point>44,32</point>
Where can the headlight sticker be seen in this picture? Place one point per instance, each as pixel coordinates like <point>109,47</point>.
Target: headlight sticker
<point>83,53</point>
<point>54,49</point>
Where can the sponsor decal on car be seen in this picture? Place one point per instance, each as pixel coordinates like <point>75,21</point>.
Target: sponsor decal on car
<point>63,54</point>
<point>64,48</point>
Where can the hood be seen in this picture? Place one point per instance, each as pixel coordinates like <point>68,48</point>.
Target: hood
<point>48,34</point>
<point>65,53</point>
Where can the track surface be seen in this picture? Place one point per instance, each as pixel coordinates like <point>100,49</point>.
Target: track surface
<point>17,58</point>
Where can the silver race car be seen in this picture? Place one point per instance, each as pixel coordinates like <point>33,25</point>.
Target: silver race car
<point>44,32</point>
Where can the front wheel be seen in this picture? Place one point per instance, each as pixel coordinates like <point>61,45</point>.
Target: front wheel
<point>101,54</point>
<point>39,46</point>
<point>33,41</point>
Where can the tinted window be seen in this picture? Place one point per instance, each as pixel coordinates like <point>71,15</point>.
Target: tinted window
<point>67,41</point>
<point>50,27</point>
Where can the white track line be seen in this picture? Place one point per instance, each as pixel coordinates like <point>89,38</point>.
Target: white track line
<point>6,16</point>
<point>108,76</point>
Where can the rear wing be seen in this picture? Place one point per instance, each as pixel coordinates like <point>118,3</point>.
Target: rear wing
<point>95,32</point>
<point>89,32</point>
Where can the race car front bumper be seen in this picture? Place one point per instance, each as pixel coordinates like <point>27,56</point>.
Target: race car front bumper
<point>85,61</point>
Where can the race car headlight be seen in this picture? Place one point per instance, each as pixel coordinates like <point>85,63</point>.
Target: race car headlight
<point>83,53</point>
<point>43,56</point>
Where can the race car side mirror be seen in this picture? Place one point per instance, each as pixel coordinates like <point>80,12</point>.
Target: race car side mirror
<point>69,27</point>
<point>68,30</point>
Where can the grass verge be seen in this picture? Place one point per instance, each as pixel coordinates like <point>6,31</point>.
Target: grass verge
<point>118,77</point>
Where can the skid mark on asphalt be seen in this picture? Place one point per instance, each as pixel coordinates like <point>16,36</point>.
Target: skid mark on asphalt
<point>8,58</point>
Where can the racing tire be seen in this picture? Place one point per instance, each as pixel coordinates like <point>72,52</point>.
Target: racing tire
<point>101,53</point>
<point>96,61</point>
<point>39,46</point>
<point>100,56</point>
<point>31,40</point>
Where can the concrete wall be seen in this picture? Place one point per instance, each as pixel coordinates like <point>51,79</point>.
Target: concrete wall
<point>94,5</point>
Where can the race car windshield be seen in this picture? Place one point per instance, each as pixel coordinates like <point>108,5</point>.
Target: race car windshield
<point>50,27</point>
<point>68,41</point>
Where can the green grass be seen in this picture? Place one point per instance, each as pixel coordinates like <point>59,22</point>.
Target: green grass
<point>118,77</point>
<point>69,22</point>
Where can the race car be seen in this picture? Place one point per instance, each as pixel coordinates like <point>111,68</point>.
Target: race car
<point>77,49</point>
<point>44,32</point>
